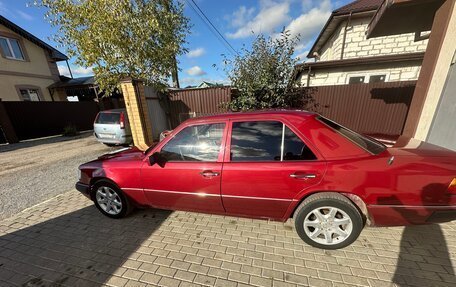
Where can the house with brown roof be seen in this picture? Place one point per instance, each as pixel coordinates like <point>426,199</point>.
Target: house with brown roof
<point>342,53</point>
<point>28,65</point>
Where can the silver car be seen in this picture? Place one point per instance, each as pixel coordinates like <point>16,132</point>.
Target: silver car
<point>111,127</point>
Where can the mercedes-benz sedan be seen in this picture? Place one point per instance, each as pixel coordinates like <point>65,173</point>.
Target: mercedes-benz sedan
<point>279,165</point>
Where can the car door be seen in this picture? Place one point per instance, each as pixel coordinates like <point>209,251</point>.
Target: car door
<point>190,176</point>
<point>266,167</point>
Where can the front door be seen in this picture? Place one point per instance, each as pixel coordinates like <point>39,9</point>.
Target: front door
<point>268,165</point>
<point>190,177</point>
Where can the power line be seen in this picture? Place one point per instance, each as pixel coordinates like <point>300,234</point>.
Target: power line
<point>211,26</point>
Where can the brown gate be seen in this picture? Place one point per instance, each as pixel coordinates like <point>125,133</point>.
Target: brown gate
<point>376,109</point>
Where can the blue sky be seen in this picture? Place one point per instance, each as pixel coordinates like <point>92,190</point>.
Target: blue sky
<point>235,19</point>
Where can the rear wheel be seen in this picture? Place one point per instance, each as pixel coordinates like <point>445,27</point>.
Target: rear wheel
<point>328,221</point>
<point>110,200</point>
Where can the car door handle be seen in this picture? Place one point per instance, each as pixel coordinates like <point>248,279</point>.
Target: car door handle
<point>209,173</point>
<point>303,175</point>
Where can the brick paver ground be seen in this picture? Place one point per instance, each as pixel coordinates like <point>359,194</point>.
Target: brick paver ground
<point>67,242</point>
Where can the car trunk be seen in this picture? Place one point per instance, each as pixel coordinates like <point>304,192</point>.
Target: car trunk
<point>107,125</point>
<point>406,146</point>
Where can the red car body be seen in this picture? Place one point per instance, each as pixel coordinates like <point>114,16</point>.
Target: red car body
<point>408,183</point>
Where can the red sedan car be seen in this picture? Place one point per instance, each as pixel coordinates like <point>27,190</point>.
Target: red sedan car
<point>280,165</point>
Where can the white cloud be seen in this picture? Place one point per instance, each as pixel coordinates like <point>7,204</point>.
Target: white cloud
<point>308,24</point>
<point>190,81</point>
<point>196,53</point>
<point>82,71</point>
<point>77,71</point>
<point>24,15</point>
<point>196,71</point>
<point>63,70</point>
<point>240,17</point>
<point>270,16</point>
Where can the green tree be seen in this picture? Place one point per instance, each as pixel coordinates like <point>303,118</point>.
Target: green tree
<point>263,75</point>
<point>121,38</point>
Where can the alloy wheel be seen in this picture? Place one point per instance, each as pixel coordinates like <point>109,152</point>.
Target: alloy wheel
<point>108,200</point>
<point>328,225</point>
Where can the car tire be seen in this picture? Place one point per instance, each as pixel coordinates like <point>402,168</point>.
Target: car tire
<point>328,220</point>
<point>110,200</point>
<point>110,144</point>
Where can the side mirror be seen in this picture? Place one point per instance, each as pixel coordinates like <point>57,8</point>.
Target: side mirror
<point>157,158</point>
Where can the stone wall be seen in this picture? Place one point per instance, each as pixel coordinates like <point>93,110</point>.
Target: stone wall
<point>357,45</point>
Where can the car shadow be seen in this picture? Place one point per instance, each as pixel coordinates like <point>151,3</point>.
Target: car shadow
<point>424,258</point>
<point>81,248</point>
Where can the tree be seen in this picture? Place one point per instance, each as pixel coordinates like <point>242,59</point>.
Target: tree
<point>263,75</point>
<point>121,38</point>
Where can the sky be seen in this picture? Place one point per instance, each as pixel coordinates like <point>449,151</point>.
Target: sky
<point>237,20</point>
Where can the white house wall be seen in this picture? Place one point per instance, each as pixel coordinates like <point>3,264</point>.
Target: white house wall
<point>358,46</point>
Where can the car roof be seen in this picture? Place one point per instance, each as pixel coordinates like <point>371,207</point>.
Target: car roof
<point>253,114</point>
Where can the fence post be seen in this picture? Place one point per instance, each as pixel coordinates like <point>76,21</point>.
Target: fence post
<point>6,125</point>
<point>136,106</point>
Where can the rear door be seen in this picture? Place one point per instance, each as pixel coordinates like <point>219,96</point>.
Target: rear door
<point>267,165</point>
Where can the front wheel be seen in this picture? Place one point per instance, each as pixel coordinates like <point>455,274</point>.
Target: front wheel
<point>110,200</point>
<point>328,221</point>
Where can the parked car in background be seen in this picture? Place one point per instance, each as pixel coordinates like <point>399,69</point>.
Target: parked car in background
<point>280,165</point>
<point>112,128</point>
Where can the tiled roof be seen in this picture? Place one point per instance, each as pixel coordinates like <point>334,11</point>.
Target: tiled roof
<point>358,6</point>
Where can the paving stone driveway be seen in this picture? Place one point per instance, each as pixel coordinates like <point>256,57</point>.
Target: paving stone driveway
<point>67,242</point>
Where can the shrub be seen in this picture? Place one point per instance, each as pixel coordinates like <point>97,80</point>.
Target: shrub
<point>70,130</point>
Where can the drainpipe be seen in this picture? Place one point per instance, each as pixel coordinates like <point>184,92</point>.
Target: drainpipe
<point>345,36</point>
<point>308,76</point>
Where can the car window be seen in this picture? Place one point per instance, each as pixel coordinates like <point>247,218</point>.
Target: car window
<point>108,118</point>
<point>262,141</point>
<point>295,148</point>
<point>195,143</point>
<point>368,144</point>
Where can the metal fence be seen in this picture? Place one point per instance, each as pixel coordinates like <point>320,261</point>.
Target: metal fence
<point>189,103</point>
<point>31,120</point>
<point>376,109</point>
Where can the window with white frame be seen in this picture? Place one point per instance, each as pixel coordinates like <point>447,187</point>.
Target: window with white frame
<point>11,48</point>
<point>30,95</point>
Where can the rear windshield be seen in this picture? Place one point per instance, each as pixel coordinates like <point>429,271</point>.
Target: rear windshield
<point>368,144</point>
<point>108,118</point>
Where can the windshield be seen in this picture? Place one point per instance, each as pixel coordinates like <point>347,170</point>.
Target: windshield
<point>108,118</point>
<point>368,144</point>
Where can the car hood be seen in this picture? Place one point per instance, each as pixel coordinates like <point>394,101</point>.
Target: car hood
<point>123,154</point>
<point>406,146</point>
